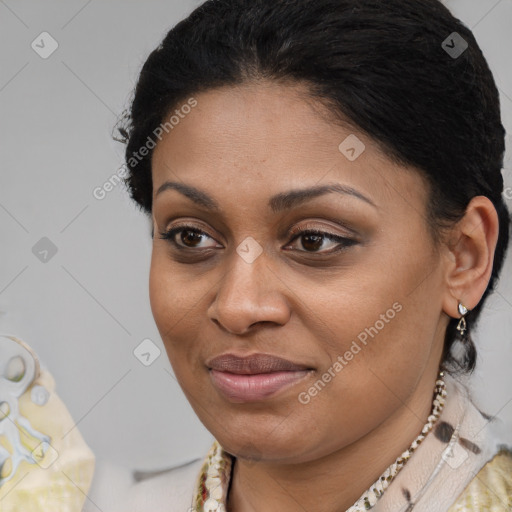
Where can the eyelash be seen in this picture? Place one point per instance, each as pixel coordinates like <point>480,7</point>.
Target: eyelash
<point>296,233</point>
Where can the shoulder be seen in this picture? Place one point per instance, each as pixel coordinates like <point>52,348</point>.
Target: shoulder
<point>491,489</point>
<point>170,490</point>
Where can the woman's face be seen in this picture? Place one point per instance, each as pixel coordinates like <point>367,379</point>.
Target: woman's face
<point>356,307</point>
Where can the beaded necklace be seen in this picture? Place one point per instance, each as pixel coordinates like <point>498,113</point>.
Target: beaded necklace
<point>370,497</point>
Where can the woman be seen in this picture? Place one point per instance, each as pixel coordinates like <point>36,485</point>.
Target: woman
<point>324,180</point>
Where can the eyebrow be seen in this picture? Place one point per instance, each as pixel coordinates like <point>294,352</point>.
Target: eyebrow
<point>278,203</point>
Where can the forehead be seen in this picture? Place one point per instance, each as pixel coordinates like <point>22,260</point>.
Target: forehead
<point>267,137</point>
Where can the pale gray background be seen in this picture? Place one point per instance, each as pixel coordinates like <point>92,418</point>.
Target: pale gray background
<point>87,308</point>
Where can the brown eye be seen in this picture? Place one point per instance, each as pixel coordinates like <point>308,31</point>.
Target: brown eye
<point>190,237</point>
<point>313,240</point>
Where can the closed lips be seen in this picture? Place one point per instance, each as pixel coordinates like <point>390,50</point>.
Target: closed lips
<point>255,377</point>
<point>253,364</point>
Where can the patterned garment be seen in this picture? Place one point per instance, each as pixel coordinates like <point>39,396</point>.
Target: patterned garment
<point>457,468</point>
<point>45,464</point>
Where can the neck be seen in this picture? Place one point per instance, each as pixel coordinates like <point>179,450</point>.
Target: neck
<point>335,482</point>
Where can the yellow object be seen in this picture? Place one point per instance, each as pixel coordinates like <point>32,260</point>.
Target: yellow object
<point>491,489</point>
<point>45,464</point>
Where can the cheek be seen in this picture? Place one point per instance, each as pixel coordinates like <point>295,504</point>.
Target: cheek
<point>160,291</point>
<point>377,325</point>
<point>167,300</point>
<point>177,303</point>
<point>388,344</point>
<point>353,395</point>
<point>173,290</point>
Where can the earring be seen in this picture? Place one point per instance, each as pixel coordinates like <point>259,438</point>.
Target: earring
<point>461,326</point>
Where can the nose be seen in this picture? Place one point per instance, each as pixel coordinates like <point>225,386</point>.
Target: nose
<point>249,294</point>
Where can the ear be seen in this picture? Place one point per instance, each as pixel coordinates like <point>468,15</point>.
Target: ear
<point>470,255</point>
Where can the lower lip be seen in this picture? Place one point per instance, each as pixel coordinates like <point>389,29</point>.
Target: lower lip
<point>247,388</point>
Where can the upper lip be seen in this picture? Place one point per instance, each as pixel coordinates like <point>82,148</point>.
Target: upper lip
<point>253,364</point>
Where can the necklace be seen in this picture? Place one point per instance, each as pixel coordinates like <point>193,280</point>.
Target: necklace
<point>215,475</point>
<point>370,497</point>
